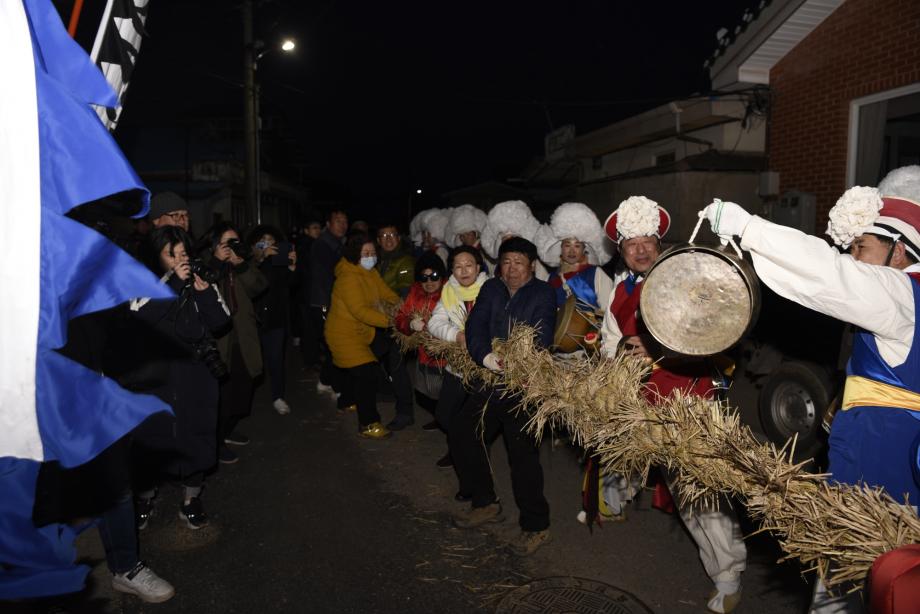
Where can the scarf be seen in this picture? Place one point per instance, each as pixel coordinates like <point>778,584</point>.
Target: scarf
<point>454,296</point>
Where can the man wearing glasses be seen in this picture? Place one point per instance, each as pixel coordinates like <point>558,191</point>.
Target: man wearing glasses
<point>169,209</point>
<point>396,264</point>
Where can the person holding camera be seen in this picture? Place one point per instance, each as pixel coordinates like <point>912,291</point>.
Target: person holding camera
<point>181,365</point>
<point>239,283</point>
<point>277,261</point>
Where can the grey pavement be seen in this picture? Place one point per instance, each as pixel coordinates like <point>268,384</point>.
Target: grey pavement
<point>315,519</point>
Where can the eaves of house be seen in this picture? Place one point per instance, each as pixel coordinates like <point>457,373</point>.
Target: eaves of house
<point>765,35</point>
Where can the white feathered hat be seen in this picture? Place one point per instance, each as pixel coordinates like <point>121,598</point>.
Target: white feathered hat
<point>465,218</point>
<point>892,210</point>
<point>572,221</point>
<point>417,225</point>
<point>436,223</point>
<point>512,217</point>
<point>637,216</point>
<point>902,182</point>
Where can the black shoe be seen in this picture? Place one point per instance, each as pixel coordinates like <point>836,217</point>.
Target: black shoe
<point>445,462</point>
<point>462,498</point>
<point>226,456</point>
<point>236,438</point>
<point>143,511</point>
<point>193,514</point>
<point>399,423</point>
<point>431,426</point>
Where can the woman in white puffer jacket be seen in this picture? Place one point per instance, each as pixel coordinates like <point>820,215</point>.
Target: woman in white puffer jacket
<point>447,322</point>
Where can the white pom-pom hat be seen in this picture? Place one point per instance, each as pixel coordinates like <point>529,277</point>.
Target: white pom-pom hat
<point>418,224</point>
<point>572,221</point>
<point>896,213</point>
<point>463,219</point>
<point>902,182</point>
<point>854,214</point>
<point>436,223</point>
<point>512,217</point>
<point>637,216</point>
<point>900,191</point>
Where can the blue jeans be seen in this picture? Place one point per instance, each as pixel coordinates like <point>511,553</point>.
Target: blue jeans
<point>119,534</point>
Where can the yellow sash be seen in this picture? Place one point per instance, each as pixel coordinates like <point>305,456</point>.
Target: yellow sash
<point>864,392</point>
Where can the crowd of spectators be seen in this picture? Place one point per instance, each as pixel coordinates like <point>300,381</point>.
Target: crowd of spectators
<point>333,291</point>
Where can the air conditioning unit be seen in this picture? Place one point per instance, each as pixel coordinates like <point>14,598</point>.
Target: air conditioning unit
<point>796,210</point>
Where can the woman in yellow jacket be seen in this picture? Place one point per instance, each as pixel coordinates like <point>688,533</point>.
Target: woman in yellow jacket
<point>356,333</point>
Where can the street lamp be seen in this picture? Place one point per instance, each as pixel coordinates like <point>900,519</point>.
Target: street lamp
<point>418,192</point>
<point>260,51</point>
<point>254,50</point>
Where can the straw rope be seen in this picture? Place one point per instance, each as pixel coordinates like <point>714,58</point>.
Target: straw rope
<point>838,530</point>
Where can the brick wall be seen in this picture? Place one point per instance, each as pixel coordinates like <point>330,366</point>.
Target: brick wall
<point>864,47</point>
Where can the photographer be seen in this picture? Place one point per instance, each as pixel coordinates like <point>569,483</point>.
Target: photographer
<point>181,365</point>
<point>277,260</point>
<point>239,283</point>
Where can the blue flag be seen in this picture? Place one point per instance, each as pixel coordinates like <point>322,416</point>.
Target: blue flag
<point>54,155</point>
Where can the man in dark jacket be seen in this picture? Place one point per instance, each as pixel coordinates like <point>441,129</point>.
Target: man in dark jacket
<point>324,255</point>
<point>310,336</point>
<point>517,297</point>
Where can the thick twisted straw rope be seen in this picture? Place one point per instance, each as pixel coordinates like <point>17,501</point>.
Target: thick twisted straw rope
<point>836,529</point>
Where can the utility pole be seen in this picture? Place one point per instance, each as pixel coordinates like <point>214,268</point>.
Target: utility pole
<point>250,121</point>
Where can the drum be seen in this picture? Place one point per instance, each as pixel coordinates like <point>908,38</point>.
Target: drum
<point>698,300</point>
<point>572,326</point>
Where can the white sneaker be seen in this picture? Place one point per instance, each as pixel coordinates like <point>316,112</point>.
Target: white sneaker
<point>142,582</point>
<point>323,388</point>
<point>281,407</point>
<point>722,602</point>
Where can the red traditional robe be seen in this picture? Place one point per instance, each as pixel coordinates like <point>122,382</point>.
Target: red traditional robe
<point>668,374</point>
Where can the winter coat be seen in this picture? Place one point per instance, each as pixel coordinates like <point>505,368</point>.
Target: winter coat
<point>418,302</point>
<point>447,321</point>
<point>169,347</point>
<point>354,314</point>
<point>303,283</point>
<point>273,306</point>
<point>324,254</point>
<point>397,268</point>
<point>496,311</point>
<point>239,285</point>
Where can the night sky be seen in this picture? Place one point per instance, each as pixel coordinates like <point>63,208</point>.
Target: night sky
<point>384,97</point>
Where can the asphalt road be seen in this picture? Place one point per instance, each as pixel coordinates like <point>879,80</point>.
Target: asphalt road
<point>315,519</point>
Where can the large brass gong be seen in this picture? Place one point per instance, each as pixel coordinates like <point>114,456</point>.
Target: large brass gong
<point>698,300</point>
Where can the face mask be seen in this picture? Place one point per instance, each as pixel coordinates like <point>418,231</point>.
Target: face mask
<point>369,262</point>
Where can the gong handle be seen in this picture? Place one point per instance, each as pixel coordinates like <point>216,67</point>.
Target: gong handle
<point>729,240</point>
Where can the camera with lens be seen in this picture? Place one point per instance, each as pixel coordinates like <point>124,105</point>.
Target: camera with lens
<point>207,353</point>
<point>242,250</point>
<point>202,270</point>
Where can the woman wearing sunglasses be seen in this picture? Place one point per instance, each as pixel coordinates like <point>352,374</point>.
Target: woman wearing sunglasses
<point>448,322</point>
<point>412,317</point>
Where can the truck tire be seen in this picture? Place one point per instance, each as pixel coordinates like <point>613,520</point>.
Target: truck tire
<point>792,401</point>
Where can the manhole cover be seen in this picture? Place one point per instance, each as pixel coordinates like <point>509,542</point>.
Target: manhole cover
<point>570,596</point>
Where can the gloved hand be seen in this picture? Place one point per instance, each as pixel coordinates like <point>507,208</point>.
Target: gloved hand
<point>726,219</point>
<point>492,362</point>
<point>417,324</point>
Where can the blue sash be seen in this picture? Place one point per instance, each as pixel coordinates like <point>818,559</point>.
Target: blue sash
<point>582,286</point>
<point>866,361</point>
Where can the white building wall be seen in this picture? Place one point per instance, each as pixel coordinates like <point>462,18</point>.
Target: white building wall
<point>726,138</point>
